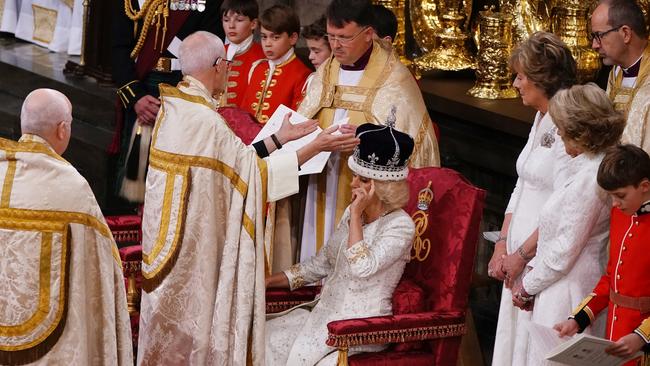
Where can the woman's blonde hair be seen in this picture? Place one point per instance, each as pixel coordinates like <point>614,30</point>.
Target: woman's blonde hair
<point>393,194</point>
<point>584,114</point>
<point>546,61</point>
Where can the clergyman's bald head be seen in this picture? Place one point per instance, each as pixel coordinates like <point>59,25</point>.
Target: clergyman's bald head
<point>199,51</point>
<point>47,113</point>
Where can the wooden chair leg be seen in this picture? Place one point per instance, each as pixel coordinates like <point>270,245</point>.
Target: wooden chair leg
<point>343,356</point>
<point>470,349</point>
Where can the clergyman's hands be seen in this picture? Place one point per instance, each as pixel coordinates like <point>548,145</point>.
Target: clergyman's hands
<point>328,141</point>
<point>146,109</point>
<point>289,132</point>
<point>347,128</point>
<point>626,346</point>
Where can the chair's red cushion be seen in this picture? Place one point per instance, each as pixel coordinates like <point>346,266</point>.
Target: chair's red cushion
<point>392,358</point>
<point>408,298</point>
<point>281,299</point>
<point>126,229</point>
<point>242,123</point>
<point>131,253</point>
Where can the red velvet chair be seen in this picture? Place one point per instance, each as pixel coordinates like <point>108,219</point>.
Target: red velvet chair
<point>127,232</point>
<point>430,301</point>
<point>242,123</point>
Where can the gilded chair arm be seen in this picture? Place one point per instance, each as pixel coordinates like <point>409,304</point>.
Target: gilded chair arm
<point>394,329</point>
<point>281,299</point>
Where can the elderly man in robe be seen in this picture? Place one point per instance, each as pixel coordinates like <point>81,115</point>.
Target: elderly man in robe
<point>363,82</point>
<point>62,297</point>
<point>203,224</point>
<point>620,36</point>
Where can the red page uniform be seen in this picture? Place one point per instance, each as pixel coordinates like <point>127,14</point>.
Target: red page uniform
<point>243,58</point>
<point>625,288</point>
<point>265,93</point>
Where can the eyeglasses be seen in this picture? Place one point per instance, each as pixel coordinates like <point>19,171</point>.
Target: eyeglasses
<point>344,39</point>
<point>598,36</point>
<point>219,59</point>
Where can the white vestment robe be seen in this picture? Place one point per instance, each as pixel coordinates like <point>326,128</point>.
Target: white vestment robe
<point>62,297</point>
<point>203,236</point>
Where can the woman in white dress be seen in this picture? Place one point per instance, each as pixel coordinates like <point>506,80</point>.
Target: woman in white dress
<point>574,221</point>
<point>543,65</point>
<point>363,260</point>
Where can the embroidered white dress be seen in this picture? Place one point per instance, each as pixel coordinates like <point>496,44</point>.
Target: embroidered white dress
<point>540,165</point>
<point>360,283</point>
<point>571,249</point>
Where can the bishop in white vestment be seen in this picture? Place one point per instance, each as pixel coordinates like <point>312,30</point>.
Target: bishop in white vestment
<point>62,297</point>
<point>203,225</point>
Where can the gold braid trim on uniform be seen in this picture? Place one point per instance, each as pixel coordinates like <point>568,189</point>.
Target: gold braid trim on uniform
<point>584,305</point>
<point>151,9</point>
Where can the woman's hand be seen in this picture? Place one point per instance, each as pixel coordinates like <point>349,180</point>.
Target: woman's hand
<point>513,266</point>
<point>496,262</point>
<point>567,328</point>
<point>520,298</point>
<point>626,346</point>
<point>361,199</point>
<point>289,132</point>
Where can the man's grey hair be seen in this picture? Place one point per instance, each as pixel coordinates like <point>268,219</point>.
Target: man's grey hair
<point>199,51</point>
<point>43,110</point>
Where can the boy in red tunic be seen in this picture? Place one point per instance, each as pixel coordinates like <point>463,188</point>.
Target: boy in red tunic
<point>279,78</point>
<point>625,288</point>
<point>239,19</point>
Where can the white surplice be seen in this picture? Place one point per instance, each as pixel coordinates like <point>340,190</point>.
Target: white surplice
<point>203,235</point>
<point>571,249</point>
<point>308,249</point>
<point>62,297</point>
<point>360,283</point>
<point>540,166</point>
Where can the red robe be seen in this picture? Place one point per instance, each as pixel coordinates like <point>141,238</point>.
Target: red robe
<point>627,274</point>
<point>285,87</point>
<point>238,75</point>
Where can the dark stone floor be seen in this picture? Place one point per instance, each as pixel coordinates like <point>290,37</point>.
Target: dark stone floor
<point>25,67</point>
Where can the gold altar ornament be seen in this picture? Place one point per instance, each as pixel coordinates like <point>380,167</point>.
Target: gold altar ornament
<point>399,43</point>
<point>529,16</point>
<point>493,76</point>
<point>440,28</point>
<point>569,22</point>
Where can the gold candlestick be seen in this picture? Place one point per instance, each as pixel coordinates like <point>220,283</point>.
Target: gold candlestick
<point>569,22</point>
<point>493,76</point>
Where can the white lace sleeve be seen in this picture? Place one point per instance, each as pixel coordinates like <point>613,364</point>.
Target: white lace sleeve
<point>391,243</point>
<point>580,206</point>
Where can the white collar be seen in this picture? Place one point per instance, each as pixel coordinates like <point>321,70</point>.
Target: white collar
<point>282,59</point>
<point>237,49</point>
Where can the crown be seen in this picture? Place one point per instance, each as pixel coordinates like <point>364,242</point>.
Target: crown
<point>425,196</point>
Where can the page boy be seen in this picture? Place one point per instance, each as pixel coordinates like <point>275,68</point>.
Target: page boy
<point>315,36</point>
<point>624,289</point>
<point>239,19</point>
<point>279,78</point>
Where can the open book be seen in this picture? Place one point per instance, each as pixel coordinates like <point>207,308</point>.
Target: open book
<point>580,350</point>
<point>313,165</point>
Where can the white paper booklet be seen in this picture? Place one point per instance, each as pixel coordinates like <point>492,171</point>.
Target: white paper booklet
<point>492,236</point>
<point>580,350</point>
<point>312,166</point>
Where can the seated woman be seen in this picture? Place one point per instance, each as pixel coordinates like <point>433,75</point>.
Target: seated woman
<point>574,221</point>
<point>363,260</point>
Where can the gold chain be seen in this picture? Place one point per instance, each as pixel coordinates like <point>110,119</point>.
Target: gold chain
<point>153,10</point>
<point>134,14</point>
